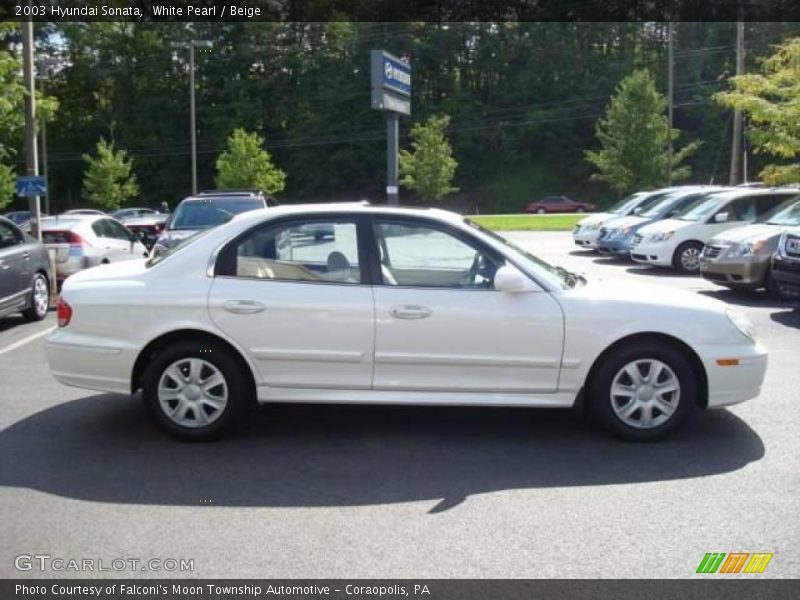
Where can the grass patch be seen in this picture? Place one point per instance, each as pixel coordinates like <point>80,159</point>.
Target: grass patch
<point>527,222</point>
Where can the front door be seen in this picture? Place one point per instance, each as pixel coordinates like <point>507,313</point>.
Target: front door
<point>293,295</point>
<point>441,325</point>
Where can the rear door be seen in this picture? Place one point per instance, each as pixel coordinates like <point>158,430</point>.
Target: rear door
<point>300,305</point>
<point>14,263</point>
<point>441,326</point>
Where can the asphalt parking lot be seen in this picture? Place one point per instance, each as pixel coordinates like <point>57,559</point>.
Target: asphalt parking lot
<point>307,491</point>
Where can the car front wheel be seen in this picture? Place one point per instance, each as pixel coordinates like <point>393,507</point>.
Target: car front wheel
<point>540,211</point>
<point>196,391</point>
<point>644,392</point>
<point>687,258</point>
<point>40,299</point>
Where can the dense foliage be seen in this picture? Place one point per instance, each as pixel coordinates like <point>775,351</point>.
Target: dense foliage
<point>523,99</point>
<point>771,102</point>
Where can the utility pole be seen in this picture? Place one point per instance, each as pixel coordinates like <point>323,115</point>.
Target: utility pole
<point>671,98</point>
<point>192,115</point>
<point>736,143</point>
<point>31,159</point>
<point>44,158</point>
<point>392,156</point>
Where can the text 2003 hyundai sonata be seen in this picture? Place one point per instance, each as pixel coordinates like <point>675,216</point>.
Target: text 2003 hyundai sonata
<point>395,306</point>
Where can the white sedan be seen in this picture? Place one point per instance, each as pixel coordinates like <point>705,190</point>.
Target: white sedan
<point>395,306</point>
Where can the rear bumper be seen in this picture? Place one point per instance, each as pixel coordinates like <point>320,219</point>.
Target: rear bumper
<point>90,362</point>
<point>652,254</point>
<point>743,273</point>
<point>733,384</point>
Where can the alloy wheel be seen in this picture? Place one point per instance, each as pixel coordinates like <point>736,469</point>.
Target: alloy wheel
<point>690,259</point>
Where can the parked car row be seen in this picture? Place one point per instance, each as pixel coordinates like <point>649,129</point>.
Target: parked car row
<point>732,236</point>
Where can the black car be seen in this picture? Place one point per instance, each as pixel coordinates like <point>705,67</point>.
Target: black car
<point>24,273</point>
<point>786,265</point>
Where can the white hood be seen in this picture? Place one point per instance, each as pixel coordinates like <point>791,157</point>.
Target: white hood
<point>595,218</point>
<point>622,222</point>
<point>665,225</point>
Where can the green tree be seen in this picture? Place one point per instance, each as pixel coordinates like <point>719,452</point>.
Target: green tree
<point>771,101</point>
<point>109,181</point>
<point>429,169</point>
<point>634,135</point>
<point>245,164</point>
<point>7,181</point>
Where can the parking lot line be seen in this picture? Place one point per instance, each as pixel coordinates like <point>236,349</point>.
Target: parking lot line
<point>25,340</point>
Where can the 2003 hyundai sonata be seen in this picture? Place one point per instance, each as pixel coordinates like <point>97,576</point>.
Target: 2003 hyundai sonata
<point>394,306</point>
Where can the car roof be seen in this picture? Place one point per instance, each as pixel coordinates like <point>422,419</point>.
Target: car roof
<point>347,207</point>
<point>70,221</point>
<point>731,194</point>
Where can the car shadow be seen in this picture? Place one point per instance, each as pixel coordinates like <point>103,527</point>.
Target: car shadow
<point>657,272</point>
<point>584,252</point>
<point>11,321</point>
<point>756,299</point>
<point>790,318</point>
<point>104,449</point>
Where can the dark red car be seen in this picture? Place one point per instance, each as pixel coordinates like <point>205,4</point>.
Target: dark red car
<point>558,204</point>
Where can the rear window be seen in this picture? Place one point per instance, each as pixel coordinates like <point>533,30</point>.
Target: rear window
<point>56,237</point>
<point>201,214</point>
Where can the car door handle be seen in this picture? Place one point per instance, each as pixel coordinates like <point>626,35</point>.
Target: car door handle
<point>243,307</point>
<point>410,311</point>
<point>26,255</point>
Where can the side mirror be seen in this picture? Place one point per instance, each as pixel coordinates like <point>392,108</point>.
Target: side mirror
<point>721,217</point>
<point>511,280</point>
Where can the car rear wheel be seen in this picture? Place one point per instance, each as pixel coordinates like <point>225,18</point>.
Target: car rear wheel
<point>540,211</point>
<point>644,392</point>
<point>686,259</point>
<point>196,391</point>
<point>579,209</point>
<point>40,299</point>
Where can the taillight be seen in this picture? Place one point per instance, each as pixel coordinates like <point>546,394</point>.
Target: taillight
<point>76,241</point>
<point>64,312</point>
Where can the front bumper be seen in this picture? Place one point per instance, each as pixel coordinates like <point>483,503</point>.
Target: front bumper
<point>747,272</point>
<point>620,247</point>
<point>786,274</point>
<point>652,253</point>
<point>733,384</point>
<point>586,238</point>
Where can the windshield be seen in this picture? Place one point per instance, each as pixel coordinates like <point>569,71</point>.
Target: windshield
<point>205,213</point>
<point>663,204</point>
<point>622,207</point>
<point>559,276</point>
<point>154,260</point>
<point>790,215</point>
<point>696,212</point>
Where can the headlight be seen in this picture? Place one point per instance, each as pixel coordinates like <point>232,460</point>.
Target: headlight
<point>662,237</point>
<point>594,225</point>
<point>741,322</point>
<point>749,248</point>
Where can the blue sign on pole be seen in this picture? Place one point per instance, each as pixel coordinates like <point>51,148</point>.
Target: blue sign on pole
<point>396,76</point>
<point>31,185</point>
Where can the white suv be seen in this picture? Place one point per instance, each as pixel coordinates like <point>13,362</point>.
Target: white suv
<point>679,242</point>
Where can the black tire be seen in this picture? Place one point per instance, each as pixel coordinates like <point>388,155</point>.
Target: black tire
<point>241,395</point>
<point>33,313</point>
<point>600,399</point>
<point>679,259</point>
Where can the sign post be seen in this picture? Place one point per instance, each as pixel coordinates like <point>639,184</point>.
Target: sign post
<point>391,93</point>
